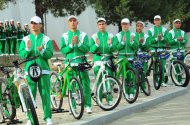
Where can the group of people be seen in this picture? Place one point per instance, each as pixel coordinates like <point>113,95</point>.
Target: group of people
<point>11,36</point>
<point>75,43</point>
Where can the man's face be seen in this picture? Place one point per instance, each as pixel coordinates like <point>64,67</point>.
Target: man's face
<point>7,23</point>
<point>101,26</point>
<point>1,24</point>
<point>73,23</point>
<point>125,26</point>
<point>36,27</point>
<point>18,25</point>
<point>177,25</point>
<point>12,22</point>
<point>157,22</point>
<point>139,27</point>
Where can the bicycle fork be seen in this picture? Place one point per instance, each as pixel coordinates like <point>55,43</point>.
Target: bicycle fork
<point>20,92</point>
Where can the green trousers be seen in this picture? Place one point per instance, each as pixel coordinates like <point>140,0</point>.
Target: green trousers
<point>96,69</point>
<point>44,90</point>
<point>8,44</point>
<point>85,80</point>
<point>18,45</point>
<point>3,46</point>
<point>163,61</point>
<point>13,46</point>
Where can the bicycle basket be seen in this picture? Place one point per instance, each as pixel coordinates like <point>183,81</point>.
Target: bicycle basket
<point>137,64</point>
<point>144,57</point>
<point>179,55</point>
<point>164,55</point>
<point>110,65</point>
<point>84,67</point>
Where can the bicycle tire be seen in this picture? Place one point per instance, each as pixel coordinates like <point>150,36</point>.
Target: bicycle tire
<point>56,97</point>
<point>145,88</point>
<point>158,74</point>
<point>108,106</point>
<point>31,111</point>
<point>131,84</point>
<point>186,82</point>
<point>187,59</point>
<point>6,98</point>
<point>76,100</point>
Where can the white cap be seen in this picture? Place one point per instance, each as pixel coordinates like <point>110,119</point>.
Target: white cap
<point>11,20</point>
<point>17,22</point>
<point>25,24</point>
<point>101,19</point>
<point>177,20</point>
<point>1,21</point>
<point>125,20</point>
<point>72,17</point>
<point>6,20</point>
<point>36,19</point>
<point>140,22</point>
<point>157,17</point>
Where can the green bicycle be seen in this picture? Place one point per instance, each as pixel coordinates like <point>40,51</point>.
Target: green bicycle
<point>15,92</point>
<point>129,77</point>
<point>62,82</point>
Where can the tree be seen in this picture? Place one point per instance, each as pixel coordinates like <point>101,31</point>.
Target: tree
<point>143,10</point>
<point>113,11</point>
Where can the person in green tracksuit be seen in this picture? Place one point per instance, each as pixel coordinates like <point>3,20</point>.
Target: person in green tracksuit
<point>26,29</point>
<point>177,39</point>
<point>2,39</point>
<point>20,35</point>
<point>158,37</point>
<point>75,43</point>
<point>102,42</point>
<point>35,44</point>
<point>8,38</point>
<point>126,44</point>
<point>143,43</point>
<point>13,37</point>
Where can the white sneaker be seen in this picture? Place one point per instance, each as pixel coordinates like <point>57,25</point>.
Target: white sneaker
<point>127,96</point>
<point>28,122</point>
<point>131,96</point>
<point>49,121</point>
<point>164,85</point>
<point>88,110</point>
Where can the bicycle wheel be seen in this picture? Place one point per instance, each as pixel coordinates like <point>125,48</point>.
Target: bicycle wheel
<point>144,84</point>
<point>179,73</point>
<point>31,111</point>
<point>130,85</point>
<point>187,60</point>
<point>157,74</point>
<point>108,93</point>
<point>56,86</point>
<point>6,104</point>
<point>76,98</point>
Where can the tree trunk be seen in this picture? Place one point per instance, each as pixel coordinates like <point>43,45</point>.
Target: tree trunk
<point>39,10</point>
<point>186,26</point>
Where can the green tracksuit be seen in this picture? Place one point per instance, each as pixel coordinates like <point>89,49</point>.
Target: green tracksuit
<point>26,31</point>
<point>20,35</point>
<point>8,39</point>
<point>153,33</point>
<point>144,47</point>
<point>2,40</point>
<point>126,47</point>
<point>175,44</point>
<point>13,39</point>
<point>71,51</point>
<point>103,48</point>
<point>46,53</point>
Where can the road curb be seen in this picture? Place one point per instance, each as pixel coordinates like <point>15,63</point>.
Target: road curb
<point>110,116</point>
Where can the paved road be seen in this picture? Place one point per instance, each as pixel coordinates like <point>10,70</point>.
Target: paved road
<point>173,112</point>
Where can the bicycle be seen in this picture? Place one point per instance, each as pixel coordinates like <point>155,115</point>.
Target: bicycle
<point>106,90</point>
<point>156,66</point>
<point>130,77</point>
<point>177,69</point>
<point>60,85</point>
<point>21,88</point>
